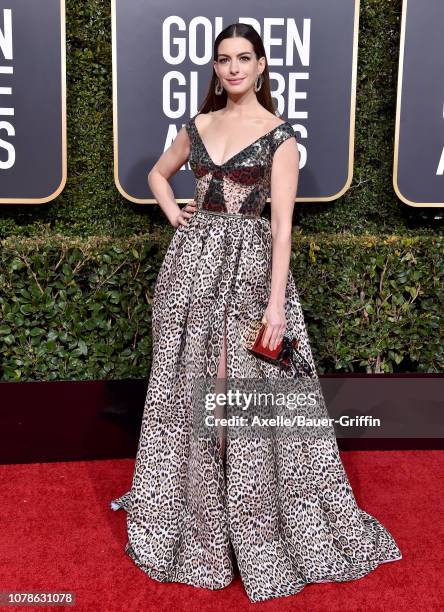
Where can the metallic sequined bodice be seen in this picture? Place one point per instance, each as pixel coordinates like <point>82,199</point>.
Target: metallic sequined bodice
<point>241,185</point>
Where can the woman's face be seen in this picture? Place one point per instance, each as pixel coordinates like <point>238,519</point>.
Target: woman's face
<point>237,66</point>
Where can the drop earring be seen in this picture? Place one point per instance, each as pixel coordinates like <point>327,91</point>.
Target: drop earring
<point>218,89</point>
<point>256,86</point>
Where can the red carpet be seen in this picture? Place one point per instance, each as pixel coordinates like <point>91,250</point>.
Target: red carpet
<point>58,533</point>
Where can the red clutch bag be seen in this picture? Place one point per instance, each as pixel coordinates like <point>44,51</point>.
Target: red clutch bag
<point>285,353</point>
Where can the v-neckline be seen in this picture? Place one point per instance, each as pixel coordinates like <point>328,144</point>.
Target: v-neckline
<point>239,152</point>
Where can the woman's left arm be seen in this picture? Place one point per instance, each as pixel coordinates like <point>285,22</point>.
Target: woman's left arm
<point>284,184</point>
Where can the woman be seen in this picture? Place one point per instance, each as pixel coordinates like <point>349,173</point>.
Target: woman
<point>279,506</point>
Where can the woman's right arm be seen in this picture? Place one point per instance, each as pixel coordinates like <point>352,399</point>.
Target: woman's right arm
<point>166,166</point>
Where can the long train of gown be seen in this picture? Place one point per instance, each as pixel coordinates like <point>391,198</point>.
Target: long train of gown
<point>282,505</point>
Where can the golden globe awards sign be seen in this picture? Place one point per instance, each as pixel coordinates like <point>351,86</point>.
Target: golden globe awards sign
<point>162,65</point>
<point>32,101</point>
<point>418,170</point>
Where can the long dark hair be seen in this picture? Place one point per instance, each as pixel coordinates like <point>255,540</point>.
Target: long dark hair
<point>213,102</point>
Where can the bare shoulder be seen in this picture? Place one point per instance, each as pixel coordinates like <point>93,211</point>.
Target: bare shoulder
<point>274,121</point>
<point>269,120</point>
<point>203,119</point>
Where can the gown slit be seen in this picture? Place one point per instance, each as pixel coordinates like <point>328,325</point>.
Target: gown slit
<point>278,507</point>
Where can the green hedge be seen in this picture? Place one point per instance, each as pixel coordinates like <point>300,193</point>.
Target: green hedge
<point>81,309</point>
<point>91,205</point>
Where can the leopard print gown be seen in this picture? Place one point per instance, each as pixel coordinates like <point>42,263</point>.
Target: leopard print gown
<point>282,505</point>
